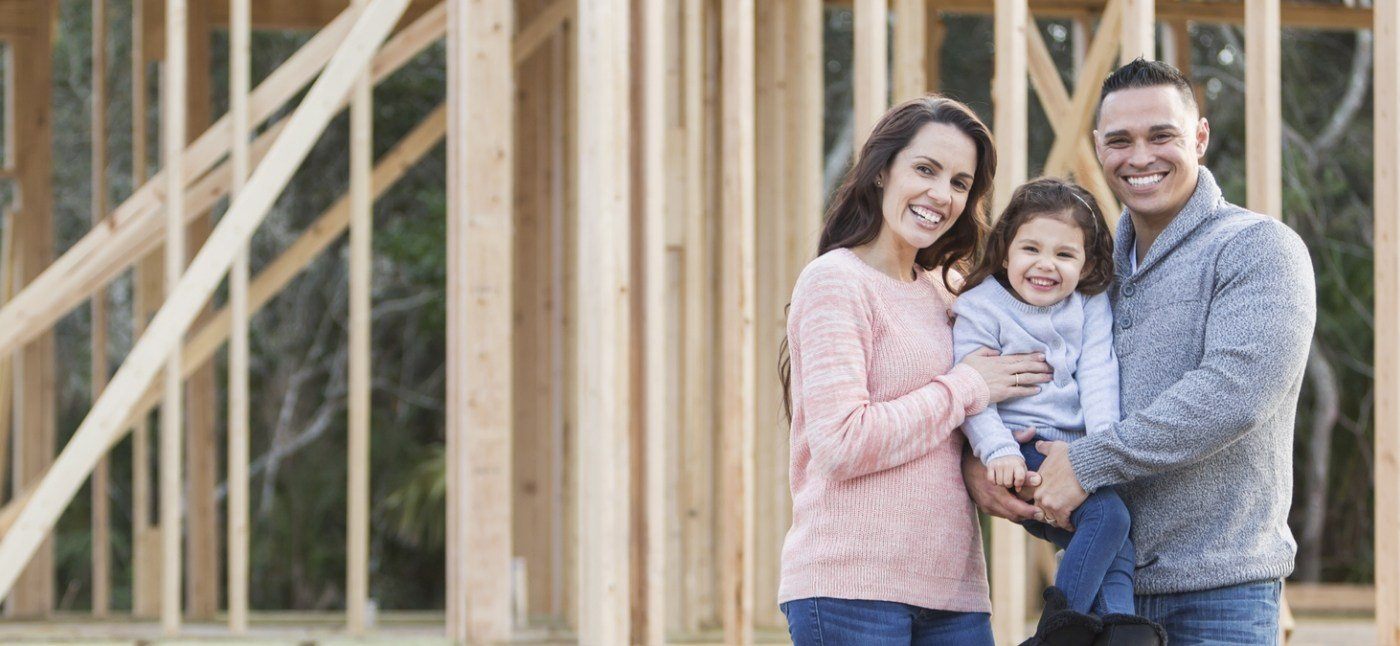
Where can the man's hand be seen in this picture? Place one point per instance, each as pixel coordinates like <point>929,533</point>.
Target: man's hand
<point>1007,471</point>
<point>995,500</point>
<point>1059,493</point>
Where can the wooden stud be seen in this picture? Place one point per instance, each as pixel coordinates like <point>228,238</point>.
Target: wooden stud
<point>1009,99</point>
<point>33,364</point>
<point>805,100</point>
<point>104,424</point>
<point>1139,25</point>
<point>201,573</point>
<point>1387,307</point>
<point>145,571</point>
<point>936,31</point>
<point>240,55</point>
<point>7,273</point>
<point>738,280</point>
<point>910,48</point>
<point>542,27</point>
<point>173,113</point>
<point>656,203</point>
<point>696,492</point>
<point>604,330</point>
<point>101,504</point>
<point>1263,112</point>
<point>359,393</point>
<point>481,90</point>
<point>870,82</point>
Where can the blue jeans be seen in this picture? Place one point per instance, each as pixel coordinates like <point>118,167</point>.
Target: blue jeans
<point>1237,614</point>
<point>1096,573</point>
<point>824,621</point>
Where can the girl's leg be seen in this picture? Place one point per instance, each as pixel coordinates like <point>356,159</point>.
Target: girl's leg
<point>824,621</point>
<point>937,627</point>
<point>1101,531</point>
<point>1116,592</point>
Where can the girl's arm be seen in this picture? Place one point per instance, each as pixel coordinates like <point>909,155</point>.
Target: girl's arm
<point>849,435</point>
<point>1097,374</point>
<point>976,328</point>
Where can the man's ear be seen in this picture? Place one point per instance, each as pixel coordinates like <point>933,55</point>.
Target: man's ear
<point>1202,137</point>
<point>1098,150</point>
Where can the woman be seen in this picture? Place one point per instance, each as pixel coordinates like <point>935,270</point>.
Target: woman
<point>884,545</point>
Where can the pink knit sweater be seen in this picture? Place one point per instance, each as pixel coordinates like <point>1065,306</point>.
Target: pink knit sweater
<point>879,507</point>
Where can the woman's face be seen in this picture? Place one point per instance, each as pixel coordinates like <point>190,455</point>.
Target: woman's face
<point>926,186</point>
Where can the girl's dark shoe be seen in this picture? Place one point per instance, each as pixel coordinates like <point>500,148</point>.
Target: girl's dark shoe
<point>1130,630</point>
<point>1060,626</point>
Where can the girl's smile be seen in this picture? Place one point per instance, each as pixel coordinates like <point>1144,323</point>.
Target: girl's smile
<point>1045,259</point>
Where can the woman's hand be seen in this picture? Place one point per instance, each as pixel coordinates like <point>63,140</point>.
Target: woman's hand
<point>1014,375</point>
<point>1008,471</point>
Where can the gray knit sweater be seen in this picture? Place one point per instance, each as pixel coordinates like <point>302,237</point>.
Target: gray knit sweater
<point>1212,335</point>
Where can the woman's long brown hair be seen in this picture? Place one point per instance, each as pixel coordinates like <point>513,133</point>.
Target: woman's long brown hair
<point>854,217</point>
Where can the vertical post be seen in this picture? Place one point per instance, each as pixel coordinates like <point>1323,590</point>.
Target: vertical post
<point>806,101</point>
<point>936,31</point>
<point>655,213</point>
<point>1009,99</point>
<point>240,36</point>
<point>33,365</point>
<point>910,48</point>
<point>1387,351</point>
<point>171,418</point>
<point>1263,114</point>
<point>1138,36</point>
<point>738,281</point>
<point>101,505</point>
<point>361,230</point>
<point>481,96</point>
<point>871,76</point>
<point>603,127</point>
<point>145,572</point>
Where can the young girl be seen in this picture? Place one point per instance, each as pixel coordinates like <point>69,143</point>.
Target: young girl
<point>1040,288</point>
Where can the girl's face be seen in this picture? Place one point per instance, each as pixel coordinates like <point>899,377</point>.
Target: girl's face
<point>926,186</point>
<point>1046,259</point>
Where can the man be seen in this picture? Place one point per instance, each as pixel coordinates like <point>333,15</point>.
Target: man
<point>1214,308</point>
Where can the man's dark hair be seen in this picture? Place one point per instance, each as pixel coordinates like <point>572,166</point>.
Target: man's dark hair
<point>1144,73</point>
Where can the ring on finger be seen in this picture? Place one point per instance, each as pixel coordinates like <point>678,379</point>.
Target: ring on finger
<point>1018,379</point>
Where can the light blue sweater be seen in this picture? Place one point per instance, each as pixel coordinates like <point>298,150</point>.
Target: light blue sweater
<point>1076,336</point>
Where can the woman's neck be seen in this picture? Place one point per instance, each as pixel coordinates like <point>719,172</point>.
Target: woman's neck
<point>890,255</point>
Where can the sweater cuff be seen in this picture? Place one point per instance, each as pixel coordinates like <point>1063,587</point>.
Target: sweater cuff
<point>1092,464</point>
<point>968,387</point>
<point>1013,450</point>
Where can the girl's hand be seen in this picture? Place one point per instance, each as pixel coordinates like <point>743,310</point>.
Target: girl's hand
<point>1007,471</point>
<point>1014,375</point>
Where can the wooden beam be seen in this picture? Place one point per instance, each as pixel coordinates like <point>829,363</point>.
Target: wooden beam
<point>738,280</point>
<point>103,425</point>
<point>1296,14</point>
<point>1097,64</point>
<point>101,504</point>
<point>656,204</point>
<point>936,31</point>
<point>7,384</point>
<point>481,90</point>
<point>604,330</point>
<point>1387,307</point>
<point>1263,113</point>
<point>172,421</point>
<point>359,392</point>
<point>1009,100</point>
<point>145,288</point>
<point>240,55</point>
<point>278,15</point>
<point>33,370</point>
<point>1045,77</point>
<point>697,491</point>
<point>1139,25</point>
<point>910,48</point>
<point>542,27</point>
<point>98,256</point>
<point>870,82</point>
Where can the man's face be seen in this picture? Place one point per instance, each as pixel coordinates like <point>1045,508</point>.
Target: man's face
<point>1150,142</point>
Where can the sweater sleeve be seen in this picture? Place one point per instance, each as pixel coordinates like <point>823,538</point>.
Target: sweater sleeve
<point>976,328</point>
<point>848,434</point>
<point>1097,373</point>
<point>1257,336</point>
